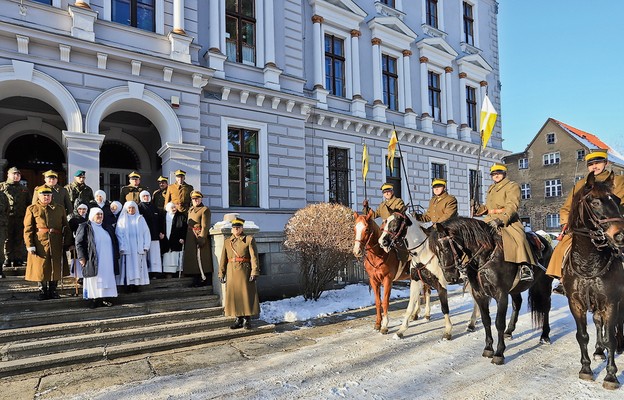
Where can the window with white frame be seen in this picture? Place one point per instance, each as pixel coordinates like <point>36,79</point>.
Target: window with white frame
<point>438,171</point>
<point>471,107</point>
<point>435,94</point>
<point>551,158</point>
<point>468,19</point>
<point>550,138</point>
<point>137,13</point>
<point>335,65</point>
<point>338,169</point>
<point>552,188</point>
<point>552,221</point>
<point>523,163</point>
<point>240,30</point>
<point>243,167</point>
<point>390,78</point>
<point>525,191</point>
<point>580,155</point>
<point>432,13</point>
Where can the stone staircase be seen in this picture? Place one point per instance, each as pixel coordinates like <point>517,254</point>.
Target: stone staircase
<point>36,335</point>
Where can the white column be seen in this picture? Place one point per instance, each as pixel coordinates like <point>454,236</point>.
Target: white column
<point>449,94</point>
<point>424,87</point>
<point>482,91</point>
<point>83,152</point>
<point>355,62</point>
<point>269,33</point>
<point>221,23</point>
<point>377,86</point>
<point>317,42</point>
<point>178,17</point>
<point>407,80</point>
<point>215,32</point>
<point>463,116</point>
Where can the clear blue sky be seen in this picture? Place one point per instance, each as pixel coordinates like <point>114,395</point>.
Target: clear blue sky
<point>562,59</point>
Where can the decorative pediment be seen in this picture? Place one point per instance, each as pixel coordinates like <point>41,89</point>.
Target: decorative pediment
<point>437,51</point>
<point>392,31</point>
<point>474,66</point>
<point>340,12</point>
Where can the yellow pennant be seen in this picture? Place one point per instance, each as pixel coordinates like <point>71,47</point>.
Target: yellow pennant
<point>364,163</point>
<point>391,149</point>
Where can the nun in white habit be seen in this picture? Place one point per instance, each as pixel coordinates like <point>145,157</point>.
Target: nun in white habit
<point>98,254</point>
<point>134,239</point>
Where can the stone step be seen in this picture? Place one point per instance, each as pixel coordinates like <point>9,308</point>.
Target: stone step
<point>16,284</point>
<point>91,325</point>
<point>14,271</point>
<point>103,351</point>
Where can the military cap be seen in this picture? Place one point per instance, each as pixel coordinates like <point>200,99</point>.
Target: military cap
<point>180,173</point>
<point>79,173</point>
<point>498,168</point>
<point>387,186</point>
<point>44,190</point>
<point>162,179</point>
<point>238,222</point>
<point>596,156</point>
<point>438,182</point>
<point>50,173</point>
<point>195,194</point>
<point>133,175</point>
<point>14,170</point>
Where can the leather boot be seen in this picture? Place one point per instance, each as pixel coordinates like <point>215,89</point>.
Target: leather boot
<point>238,323</point>
<point>559,289</point>
<point>52,293</point>
<point>247,323</point>
<point>43,291</point>
<point>526,273</point>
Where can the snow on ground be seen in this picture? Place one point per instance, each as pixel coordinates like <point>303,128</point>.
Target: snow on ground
<point>355,362</point>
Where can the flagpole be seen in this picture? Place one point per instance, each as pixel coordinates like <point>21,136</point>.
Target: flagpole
<point>409,192</point>
<point>475,194</point>
<point>364,176</point>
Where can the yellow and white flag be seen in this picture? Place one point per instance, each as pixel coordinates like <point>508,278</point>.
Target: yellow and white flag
<point>364,163</point>
<point>488,119</point>
<point>391,149</point>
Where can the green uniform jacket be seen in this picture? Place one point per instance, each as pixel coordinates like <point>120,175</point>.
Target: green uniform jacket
<point>17,196</point>
<point>198,236</point>
<point>158,198</point>
<point>79,194</point>
<point>130,193</point>
<point>46,229</point>
<point>389,207</point>
<point>239,261</point>
<point>502,202</point>
<point>59,196</point>
<point>440,209</point>
<point>180,195</point>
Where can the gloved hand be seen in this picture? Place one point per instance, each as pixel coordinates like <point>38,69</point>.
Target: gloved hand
<point>222,279</point>
<point>253,278</point>
<point>564,229</point>
<point>365,203</point>
<point>496,223</point>
<point>474,207</point>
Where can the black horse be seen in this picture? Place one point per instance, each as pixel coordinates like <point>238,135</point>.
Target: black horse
<point>593,275</point>
<point>476,249</point>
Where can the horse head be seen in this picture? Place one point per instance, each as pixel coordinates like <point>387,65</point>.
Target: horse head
<point>364,228</point>
<point>394,229</point>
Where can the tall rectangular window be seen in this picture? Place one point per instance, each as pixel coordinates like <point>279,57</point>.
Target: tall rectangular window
<point>435,95</point>
<point>138,13</point>
<point>338,169</point>
<point>243,167</point>
<point>334,65</point>
<point>390,79</point>
<point>552,221</point>
<point>475,186</point>
<point>240,31</point>
<point>525,191</point>
<point>552,188</point>
<point>438,171</point>
<point>432,13</point>
<point>471,107</point>
<point>394,176</point>
<point>468,24</point>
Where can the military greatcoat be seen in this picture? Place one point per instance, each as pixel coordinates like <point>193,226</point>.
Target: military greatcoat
<point>389,207</point>
<point>180,195</point>
<point>130,193</point>
<point>47,231</point>
<point>198,237</point>
<point>239,261</point>
<point>17,196</point>
<point>59,196</point>
<point>440,209</point>
<point>502,202</point>
<point>79,193</point>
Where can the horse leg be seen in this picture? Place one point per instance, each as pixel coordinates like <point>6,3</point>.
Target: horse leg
<point>599,353</point>
<point>501,321</point>
<point>619,335</point>
<point>582,337</point>
<point>484,302</point>
<point>427,293</point>
<point>609,324</point>
<point>448,325</point>
<point>376,290</point>
<point>473,317</point>
<point>412,307</point>
<point>385,304</point>
<point>516,303</point>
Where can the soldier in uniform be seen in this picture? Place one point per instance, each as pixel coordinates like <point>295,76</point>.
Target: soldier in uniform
<point>389,205</point>
<point>17,197</point>
<point>47,235</point>
<point>4,221</point>
<point>442,205</point>
<point>597,163</point>
<point>239,269</point>
<point>79,192</point>
<point>501,212</point>
<point>158,197</point>
<point>180,192</point>
<point>132,191</point>
<point>59,193</point>
<point>197,254</point>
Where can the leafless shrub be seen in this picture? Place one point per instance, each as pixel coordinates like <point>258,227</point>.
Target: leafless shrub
<point>319,238</point>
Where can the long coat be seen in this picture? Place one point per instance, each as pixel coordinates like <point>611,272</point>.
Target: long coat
<point>502,202</point>
<point>440,209</point>
<point>389,207</point>
<point>180,195</point>
<point>158,198</point>
<point>239,261</point>
<point>85,248</point>
<point>197,236</point>
<point>59,196</point>
<point>178,231</point>
<point>130,193</point>
<point>154,218</point>
<point>46,229</point>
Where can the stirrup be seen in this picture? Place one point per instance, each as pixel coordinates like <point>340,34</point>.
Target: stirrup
<point>526,273</point>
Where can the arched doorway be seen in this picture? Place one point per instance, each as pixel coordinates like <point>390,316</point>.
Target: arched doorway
<point>116,159</point>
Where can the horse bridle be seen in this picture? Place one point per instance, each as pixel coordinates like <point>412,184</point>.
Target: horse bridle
<point>395,235</point>
<point>457,260</point>
<point>596,233</point>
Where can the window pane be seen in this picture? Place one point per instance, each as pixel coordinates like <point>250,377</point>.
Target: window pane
<point>338,47</point>
<point>231,5</point>
<point>251,141</point>
<point>234,140</point>
<point>247,8</point>
<point>145,17</point>
<point>251,183</point>
<point>121,11</point>
<point>247,33</point>
<point>234,181</point>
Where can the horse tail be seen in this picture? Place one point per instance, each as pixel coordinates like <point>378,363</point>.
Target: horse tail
<point>539,299</point>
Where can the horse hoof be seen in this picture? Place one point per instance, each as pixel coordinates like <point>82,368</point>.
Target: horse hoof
<point>384,331</point>
<point>398,335</point>
<point>544,340</point>
<point>428,317</point>
<point>498,360</point>
<point>447,336</point>
<point>611,385</point>
<point>488,353</point>
<point>470,328</point>
<point>599,357</point>
<point>508,336</point>
<point>586,376</point>
<point>377,327</point>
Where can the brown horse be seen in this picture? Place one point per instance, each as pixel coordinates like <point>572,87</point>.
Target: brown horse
<point>380,266</point>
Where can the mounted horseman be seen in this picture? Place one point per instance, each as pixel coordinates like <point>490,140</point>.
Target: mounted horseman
<point>442,205</point>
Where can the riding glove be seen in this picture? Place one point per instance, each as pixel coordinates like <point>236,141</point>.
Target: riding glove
<point>496,223</point>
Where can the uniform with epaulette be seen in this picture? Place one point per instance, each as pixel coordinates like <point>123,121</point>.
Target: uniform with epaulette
<point>131,192</point>
<point>179,193</point>
<point>79,192</point>
<point>197,260</point>
<point>442,206</point>
<point>16,196</point>
<point>158,197</point>
<point>59,193</point>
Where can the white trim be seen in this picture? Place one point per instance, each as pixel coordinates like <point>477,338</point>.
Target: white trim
<point>33,125</point>
<point>475,19</point>
<point>263,152</point>
<point>440,10</point>
<point>352,181</point>
<point>159,14</point>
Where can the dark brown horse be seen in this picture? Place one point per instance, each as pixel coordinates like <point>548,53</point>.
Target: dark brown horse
<point>380,266</point>
<point>593,275</point>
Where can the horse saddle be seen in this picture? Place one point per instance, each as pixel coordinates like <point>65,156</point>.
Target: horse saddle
<point>536,243</point>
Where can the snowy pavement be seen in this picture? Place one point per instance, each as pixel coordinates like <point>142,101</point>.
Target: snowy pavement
<point>347,359</point>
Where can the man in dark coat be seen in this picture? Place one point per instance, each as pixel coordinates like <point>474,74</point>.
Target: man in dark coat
<point>17,197</point>
<point>158,197</point>
<point>132,191</point>
<point>79,192</point>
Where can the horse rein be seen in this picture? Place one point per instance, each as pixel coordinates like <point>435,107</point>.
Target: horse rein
<point>597,234</point>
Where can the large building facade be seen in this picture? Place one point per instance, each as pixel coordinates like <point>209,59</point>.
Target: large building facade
<point>265,103</point>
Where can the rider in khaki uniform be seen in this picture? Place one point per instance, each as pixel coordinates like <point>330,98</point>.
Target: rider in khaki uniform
<point>180,192</point>
<point>442,205</point>
<point>239,269</point>
<point>132,191</point>
<point>389,205</point>
<point>597,163</point>
<point>59,193</point>
<point>501,212</point>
